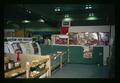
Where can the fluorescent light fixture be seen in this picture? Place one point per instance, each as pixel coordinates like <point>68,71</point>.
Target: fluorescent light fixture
<point>66,16</point>
<point>25,21</point>
<point>91,14</point>
<point>29,11</point>
<point>41,20</point>
<point>57,9</point>
<point>86,7</point>
<point>92,18</point>
<point>67,19</point>
<point>90,7</point>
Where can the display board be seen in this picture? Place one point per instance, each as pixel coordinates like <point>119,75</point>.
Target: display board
<point>36,48</point>
<point>89,38</point>
<point>59,39</point>
<point>16,46</point>
<point>73,38</point>
<point>6,49</point>
<point>27,47</point>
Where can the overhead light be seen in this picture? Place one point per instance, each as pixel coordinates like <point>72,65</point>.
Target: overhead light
<point>25,21</point>
<point>29,11</point>
<point>66,16</point>
<point>92,18</point>
<point>57,9</point>
<point>67,19</point>
<point>41,20</point>
<point>88,7</point>
<point>91,14</point>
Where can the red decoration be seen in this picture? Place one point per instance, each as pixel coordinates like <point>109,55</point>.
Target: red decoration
<point>63,30</point>
<point>18,56</point>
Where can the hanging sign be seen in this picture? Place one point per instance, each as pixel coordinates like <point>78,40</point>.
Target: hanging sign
<point>18,39</point>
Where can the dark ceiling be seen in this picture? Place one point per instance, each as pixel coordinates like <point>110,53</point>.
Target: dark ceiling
<point>17,13</point>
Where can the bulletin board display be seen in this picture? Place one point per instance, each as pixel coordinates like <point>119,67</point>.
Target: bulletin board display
<point>89,38</point>
<point>6,49</point>
<point>16,46</point>
<point>60,39</point>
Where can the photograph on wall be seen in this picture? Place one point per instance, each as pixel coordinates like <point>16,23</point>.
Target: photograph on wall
<point>16,47</point>
<point>87,52</point>
<point>88,38</point>
<point>28,48</point>
<point>35,48</point>
<point>103,38</point>
<point>93,38</point>
<point>73,38</point>
<point>61,39</point>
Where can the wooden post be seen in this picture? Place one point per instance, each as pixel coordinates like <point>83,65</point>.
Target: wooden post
<point>48,65</point>
<point>61,61</point>
<point>27,69</point>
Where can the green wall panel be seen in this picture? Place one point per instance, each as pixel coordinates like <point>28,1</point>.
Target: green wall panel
<point>98,55</point>
<point>76,55</point>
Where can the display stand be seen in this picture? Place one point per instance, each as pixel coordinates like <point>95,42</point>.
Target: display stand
<point>25,70</point>
<point>37,65</point>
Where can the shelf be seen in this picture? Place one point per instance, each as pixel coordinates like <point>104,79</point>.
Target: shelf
<point>12,69</point>
<point>39,74</point>
<point>38,63</point>
<point>14,73</point>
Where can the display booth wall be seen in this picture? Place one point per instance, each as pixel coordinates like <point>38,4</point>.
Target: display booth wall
<point>74,54</point>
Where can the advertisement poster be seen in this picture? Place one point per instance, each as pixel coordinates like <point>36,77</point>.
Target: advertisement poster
<point>16,47</point>
<point>87,52</point>
<point>35,48</point>
<point>88,38</point>
<point>61,39</point>
<point>73,38</point>
<point>104,38</point>
<point>28,48</point>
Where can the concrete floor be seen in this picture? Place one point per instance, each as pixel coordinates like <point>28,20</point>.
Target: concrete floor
<point>81,71</point>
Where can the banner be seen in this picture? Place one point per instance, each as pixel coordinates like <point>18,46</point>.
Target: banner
<point>63,30</point>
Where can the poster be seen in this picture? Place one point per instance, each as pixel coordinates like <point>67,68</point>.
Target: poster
<point>61,39</point>
<point>35,48</point>
<point>88,38</point>
<point>28,48</point>
<point>104,38</point>
<point>87,52</point>
<point>73,38</point>
<point>16,47</point>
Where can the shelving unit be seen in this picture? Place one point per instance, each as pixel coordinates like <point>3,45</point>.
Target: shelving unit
<point>37,68</point>
<point>43,63</point>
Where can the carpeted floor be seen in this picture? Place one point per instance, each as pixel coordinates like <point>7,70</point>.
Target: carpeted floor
<point>81,71</point>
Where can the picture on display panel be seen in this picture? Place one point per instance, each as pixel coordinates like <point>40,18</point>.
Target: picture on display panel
<point>16,47</point>
<point>88,38</point>
<point>59,40</point>
<point>87,52</point>
<point>104,38</point>
<point>73,38</point>
<point>35,48</point>
<point>28,48</point>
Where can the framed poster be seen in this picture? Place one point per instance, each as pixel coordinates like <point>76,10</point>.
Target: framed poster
<point>87,52</point>
<point>36,51</point>
<point>61,39</point>
<point>104,38</point>
<point>16,47</point>
<point>73,38</point>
